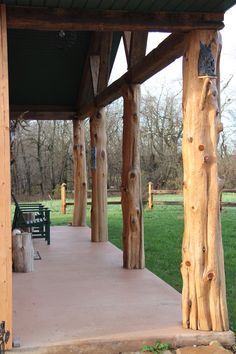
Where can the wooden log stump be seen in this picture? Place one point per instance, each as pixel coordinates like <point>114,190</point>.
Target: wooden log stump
<point>131,195</point>
<point>23,252</point>
<point>99,230</point>
<point>80,174</point>
<point>204,297</point>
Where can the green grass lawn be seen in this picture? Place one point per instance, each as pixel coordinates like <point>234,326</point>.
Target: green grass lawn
<point>163,239</point>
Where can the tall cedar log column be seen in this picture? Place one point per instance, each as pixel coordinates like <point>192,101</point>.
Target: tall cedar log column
<point>204,297</point>
<point>5,192</point>
<point>131,197</point>
<point>80,174</point>
<point>99,230</point>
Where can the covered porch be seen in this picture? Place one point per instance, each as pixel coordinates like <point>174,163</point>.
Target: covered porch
<point>79,298</point>
<point>59,58</point>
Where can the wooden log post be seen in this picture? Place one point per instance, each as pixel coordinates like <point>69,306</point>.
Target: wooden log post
<point>131,196</point>
<point>99,232</point>
<point>5,185</point>
<point>150,195</point>
<point>204,297</point>
<point>63,198</point>
<point>23,252</point>
<point>80,174</point>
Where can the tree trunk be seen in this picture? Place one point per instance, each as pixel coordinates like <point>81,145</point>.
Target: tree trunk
<point>80,174</point>
<point>5,185</point>
<point>40,158</point>
<point>99,230</point>
<point>131,198</point>
<point>204,298</point>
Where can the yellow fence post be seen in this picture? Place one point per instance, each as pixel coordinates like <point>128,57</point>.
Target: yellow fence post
<point>63,198</point>
<point>150,195</point>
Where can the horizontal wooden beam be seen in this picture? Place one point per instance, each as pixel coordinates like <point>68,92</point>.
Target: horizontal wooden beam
<point>55,19</point>
<point>43,115</point>
<point>160,57</point>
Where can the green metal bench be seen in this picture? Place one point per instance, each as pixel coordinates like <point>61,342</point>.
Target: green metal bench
<point>38,224</point>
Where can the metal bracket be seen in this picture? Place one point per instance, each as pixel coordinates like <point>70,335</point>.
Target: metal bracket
<point>4,337</point>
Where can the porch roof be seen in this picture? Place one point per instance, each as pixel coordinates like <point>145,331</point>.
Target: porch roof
<point>47,65</point>
<point>130,5</point>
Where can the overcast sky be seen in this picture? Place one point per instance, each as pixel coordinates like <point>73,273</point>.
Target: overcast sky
<point>173,73</point>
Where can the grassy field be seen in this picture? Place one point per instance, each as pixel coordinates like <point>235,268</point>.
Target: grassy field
<point>163,238</point>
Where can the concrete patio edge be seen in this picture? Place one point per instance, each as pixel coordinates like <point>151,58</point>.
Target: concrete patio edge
<point>117,345</point>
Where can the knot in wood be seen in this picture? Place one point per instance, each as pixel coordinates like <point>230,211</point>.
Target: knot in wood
<point>203,249</point>
<point>189,303</point>
<point>201,147</point>
<point>206,158</point>
<point>188,263</point>
<point>103,154</point>
<point>132,175</point>
<point>190,139</point>
<point>214,93</point>
<point>84,184</point>
<point>133,220</point>
<point>210,276</point>
<point>135,116</point>
<point>220,127</point>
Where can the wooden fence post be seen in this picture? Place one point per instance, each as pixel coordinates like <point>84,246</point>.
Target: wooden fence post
<point>5,185</point>
<point>150,195</point>
<point>131,195</point>
<point>63,198</point>
<point>203,297</point>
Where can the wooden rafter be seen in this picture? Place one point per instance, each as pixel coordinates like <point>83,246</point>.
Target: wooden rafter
<point>136,47</point>
<point>55,19</point>
<point>96,71</point>
<point>163,55</point>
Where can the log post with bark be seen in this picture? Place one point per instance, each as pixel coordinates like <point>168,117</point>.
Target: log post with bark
<point>80,174</point>
<point>99,230</point>
<point>131,196</point>
<point>204,297</point>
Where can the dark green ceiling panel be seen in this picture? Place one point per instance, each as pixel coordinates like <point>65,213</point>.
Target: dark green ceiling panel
<point>45,69</point>
<point>107,4</point>
<point>132,5</point>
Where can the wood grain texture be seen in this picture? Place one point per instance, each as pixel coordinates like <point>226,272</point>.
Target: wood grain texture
<point>23,253</point>
<point>99,231</point>
<point>63,198</point>
<point>56,19</point>
<point>5,185</point>
<point>203,299</point>
<point>131,196</point>
<point>164,54</point>
<point>80,174</point>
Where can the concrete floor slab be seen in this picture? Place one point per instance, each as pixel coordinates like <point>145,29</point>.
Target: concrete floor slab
<point>80,297</point>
